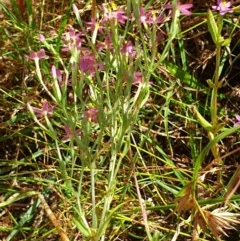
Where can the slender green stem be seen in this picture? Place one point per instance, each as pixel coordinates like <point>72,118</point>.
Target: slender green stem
<point>94,215</point>
<point>215,90</point>
<point>216,84</point>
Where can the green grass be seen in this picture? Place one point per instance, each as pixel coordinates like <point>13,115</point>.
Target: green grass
<point>118,133</point>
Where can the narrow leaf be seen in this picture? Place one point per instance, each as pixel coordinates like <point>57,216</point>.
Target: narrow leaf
<point>212,26</point>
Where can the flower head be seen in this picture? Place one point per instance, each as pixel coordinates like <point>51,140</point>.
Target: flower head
<point>37,55</point>
<point>238,120</point>
<point>107,44</point>
<point>69,133</point>
<point>149,17</point>
<point>93,25</point>
<point>88,64</point>
<point>127,48</point>
<point>72,40</point>
<point>46,110</point>
<point>60,76</point>
<point>118,15</point>
<point>183,8</point>
<point>223,7</point>
<point>41,37</point>
<point>92,115</point>
<point>137,78</point>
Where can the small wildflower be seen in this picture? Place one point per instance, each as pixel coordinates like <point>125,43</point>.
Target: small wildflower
<point>223,7</point>
<point>127,48</point>
<point>60,76</point>
<point>92,115</point>
<point>45,111</point>
<point>37,55</point>
<point>144,16</point>
<point>137,78</point>
<point>107,44</point>
<point>75,9</point>
<point>72,40</point>
<point>88,64</point>
<point>93,24</point>
<point>118,15</point>
<point>238,120</point>
<point>149,17</point>
<point>70,133</point>
<point>56,73</point>
<point>158,19</point>
<point>183,8</point>
<point>41,37</point>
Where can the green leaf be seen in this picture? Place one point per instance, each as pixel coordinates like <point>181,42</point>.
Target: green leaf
<point>201,120</point>
<point>212,26</point>
<point>184,76</point>
<point>226,42</point>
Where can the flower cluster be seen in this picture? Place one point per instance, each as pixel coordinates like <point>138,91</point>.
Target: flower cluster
<point>86,61</point>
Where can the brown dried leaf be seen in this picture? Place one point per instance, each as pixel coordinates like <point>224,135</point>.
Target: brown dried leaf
<point>185,199</point>
<point>217,221</point>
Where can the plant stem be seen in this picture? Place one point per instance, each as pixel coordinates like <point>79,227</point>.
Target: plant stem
<point>215,90</point>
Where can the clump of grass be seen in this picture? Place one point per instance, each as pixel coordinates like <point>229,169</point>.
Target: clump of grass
<point>117,143</point>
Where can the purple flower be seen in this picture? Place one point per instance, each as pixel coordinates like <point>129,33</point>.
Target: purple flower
<point>60,76</point>
<point>127,48</point>
<point>45,111</point>
<point>88,64</point>
<point>93,24</point>
<point>41,37</point>
<point>36,55</point>
<point>107,44</point>
<point>118,15</point>
<point>56,73</point>
<point>137,78</point>
<point>92,115</point>
<point>148,17</point>
<point>183,8</point>
<point>238,120</point>
<point>144,16</point>
<point>72,40</point>
<point>70,133</point>
<point>223,7</point>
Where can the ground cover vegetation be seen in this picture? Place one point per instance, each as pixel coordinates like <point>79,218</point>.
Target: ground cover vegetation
<point>119,120</point>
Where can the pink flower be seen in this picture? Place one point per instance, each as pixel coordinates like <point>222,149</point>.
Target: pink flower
<point>148,17</point>
<point>93,24</point>
<point>127,48</point>
<point>36,55</point>
<point>60,76</point>
<point>118,15</point>
<point>137,78</point>
<point>45,111</point>
<point>223,7</point>
<point>238,120</point>
<point>92,115</point>
<point>107,44</point>
<point>183,8</point>
<point>70,133</point>
<point>41,37</point>
<point>72,40</point>
<point>88,64</point>
<point>56,73</point>
<point>144,16</point>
